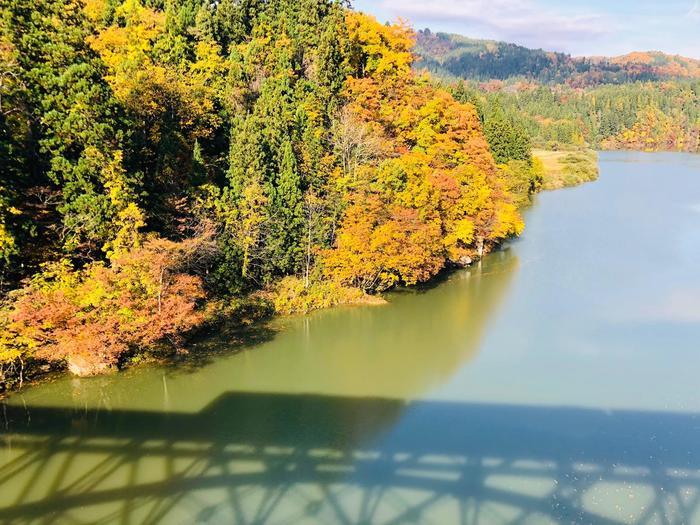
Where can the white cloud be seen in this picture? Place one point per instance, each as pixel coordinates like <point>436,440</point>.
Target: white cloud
<point>521,21</point>
<point>694,12</point>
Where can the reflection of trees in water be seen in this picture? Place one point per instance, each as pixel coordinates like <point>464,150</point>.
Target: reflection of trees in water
<point>263,458</point>
<point>400,350</point>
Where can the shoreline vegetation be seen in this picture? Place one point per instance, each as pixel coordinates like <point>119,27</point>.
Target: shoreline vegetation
<point>174,168</point>
<point>568,167</point>
<point>171,162</point>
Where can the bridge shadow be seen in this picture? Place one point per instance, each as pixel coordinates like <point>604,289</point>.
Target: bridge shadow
<point>270,458</point>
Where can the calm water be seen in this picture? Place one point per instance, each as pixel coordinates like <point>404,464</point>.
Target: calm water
<point>555,383</point>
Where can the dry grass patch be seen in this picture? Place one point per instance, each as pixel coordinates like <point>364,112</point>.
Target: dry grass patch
<point>563,169</point>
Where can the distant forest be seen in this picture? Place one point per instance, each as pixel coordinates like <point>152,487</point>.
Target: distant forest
<point>647,116</point>
<point>643,101</point>
<point>454,56</point>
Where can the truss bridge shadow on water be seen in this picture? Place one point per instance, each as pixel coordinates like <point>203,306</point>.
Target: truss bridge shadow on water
<point>286,459</point>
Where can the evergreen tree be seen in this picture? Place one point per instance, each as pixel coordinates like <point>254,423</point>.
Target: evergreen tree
<point>508,141</point>
<point>332,64</point>
<point>288,213</point>
<point>74,129</point>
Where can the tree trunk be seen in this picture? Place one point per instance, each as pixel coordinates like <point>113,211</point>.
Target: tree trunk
<point>308,257</point>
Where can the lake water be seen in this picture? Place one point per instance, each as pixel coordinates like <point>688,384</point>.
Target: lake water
<point>555,382</point>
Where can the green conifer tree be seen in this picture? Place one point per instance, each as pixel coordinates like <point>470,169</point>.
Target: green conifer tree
<point>288,213</point>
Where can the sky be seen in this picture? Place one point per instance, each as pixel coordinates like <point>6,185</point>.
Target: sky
<point>579,27</point>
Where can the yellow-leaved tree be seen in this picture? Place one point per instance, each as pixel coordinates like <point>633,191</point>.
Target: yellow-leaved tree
<point>433,196</point>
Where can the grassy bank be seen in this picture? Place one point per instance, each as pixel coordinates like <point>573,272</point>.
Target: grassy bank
<point>563,169</point>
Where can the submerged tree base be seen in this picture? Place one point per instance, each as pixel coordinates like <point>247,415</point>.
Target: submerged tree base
<point>83,367</point>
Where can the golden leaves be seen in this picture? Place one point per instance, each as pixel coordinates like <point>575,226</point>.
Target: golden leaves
<point>435,194</point>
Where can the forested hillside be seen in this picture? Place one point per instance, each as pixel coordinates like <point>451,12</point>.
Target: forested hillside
<point>643,101</point>
<point>454,56</point>
<point>648,116</point>
<point>166,163</point>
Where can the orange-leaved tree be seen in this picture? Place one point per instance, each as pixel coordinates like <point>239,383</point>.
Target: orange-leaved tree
<point>434,194</point>
<point>92,317</point>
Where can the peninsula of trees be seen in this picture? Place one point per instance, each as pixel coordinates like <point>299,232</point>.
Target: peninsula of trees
<point>167,162</point>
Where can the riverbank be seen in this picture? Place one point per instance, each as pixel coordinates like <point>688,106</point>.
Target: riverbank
<point>237,316</point>
<point>566,168</point>
<point>291,295</point>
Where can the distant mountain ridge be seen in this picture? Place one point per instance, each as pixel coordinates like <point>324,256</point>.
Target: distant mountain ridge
<point>455,56</point>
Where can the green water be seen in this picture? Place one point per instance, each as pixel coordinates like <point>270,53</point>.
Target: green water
<point>557,382</point>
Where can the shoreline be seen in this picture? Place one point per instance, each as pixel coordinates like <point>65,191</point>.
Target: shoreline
<point>568,168</point>
<point>260,307</point>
